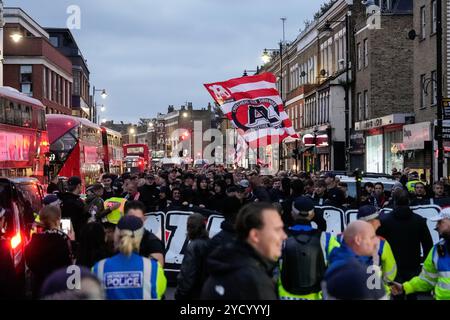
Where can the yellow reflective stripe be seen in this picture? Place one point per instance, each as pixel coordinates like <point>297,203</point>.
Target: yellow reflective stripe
<point>443,285</point>
<point>429,274</point>
<point>429,281</point>
<point>444,274</point>
<point>393,270</point>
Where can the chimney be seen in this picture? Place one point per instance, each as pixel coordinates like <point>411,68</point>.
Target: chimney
<point>209,106</point>
<point>190,106</point>
<point>170,109</point>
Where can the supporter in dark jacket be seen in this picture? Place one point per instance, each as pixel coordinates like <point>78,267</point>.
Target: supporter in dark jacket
<point>227,233</point>
<point>243,269</point>
<point>193,269</point>
<point>47,251</point>
<point>53,186</point>
<point>406,232</point>
<point>202,194</point>
<point>217,201</point>
<point>72,207</point>
<point>276,193</point>
<point>92,245</point>
<point>420,196</point>
<point>149,194</point>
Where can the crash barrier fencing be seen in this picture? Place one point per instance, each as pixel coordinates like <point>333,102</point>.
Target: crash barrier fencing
<point>170,227</point>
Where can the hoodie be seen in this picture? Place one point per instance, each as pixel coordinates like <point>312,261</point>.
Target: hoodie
<point>407,233</point>
<point>238,272</point>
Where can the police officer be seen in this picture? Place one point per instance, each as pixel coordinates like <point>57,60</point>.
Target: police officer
<point>128,276</point>
<point>435,274</point>
<point>384,257</point>
<point>305,255</point>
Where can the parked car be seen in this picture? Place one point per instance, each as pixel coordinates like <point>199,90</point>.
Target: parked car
<point>18,201</point>
<point>351,183</point>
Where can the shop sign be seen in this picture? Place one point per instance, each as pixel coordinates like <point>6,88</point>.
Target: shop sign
<point>415,135</point>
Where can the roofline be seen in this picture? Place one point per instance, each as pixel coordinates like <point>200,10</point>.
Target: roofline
<point>33,22</point>
<point>67,30</point>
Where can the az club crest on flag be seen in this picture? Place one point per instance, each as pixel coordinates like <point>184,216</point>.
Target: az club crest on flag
<point>254,107</point>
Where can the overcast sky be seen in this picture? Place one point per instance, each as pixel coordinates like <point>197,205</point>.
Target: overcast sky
<point>151,53</point>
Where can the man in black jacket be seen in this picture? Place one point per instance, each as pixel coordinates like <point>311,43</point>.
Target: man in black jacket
<point>406,232</point>
<point>242,270</point>
<point>149,194</point>
<point>227,233</point>
<point>72,207</point>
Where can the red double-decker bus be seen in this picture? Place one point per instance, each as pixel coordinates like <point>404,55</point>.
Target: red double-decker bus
<point>76,147</point>
<point>136,157</point>
<point>23,135</point>
<point>112,151</point>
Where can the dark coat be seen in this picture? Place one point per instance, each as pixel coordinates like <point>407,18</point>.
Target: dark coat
<point>47,252</point>
<point>192,273</point>
<point>238,272</point>
<point>8,280</point>
<point>149,197</point>
<point>72,207</point>
<point>225,236</point>
<point>406,232</point>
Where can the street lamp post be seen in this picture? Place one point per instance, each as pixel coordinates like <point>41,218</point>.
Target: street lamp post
<point>2,31</point>
<point>439,116</point>
<point>346,86</point>
<point>104,95</point>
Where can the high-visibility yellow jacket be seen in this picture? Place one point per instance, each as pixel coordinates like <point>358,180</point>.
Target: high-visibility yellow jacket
<point>435,273</point>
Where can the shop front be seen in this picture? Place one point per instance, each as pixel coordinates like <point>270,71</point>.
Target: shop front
<point>417,148</point>
<point>382,137</point>
<point>316,155</point>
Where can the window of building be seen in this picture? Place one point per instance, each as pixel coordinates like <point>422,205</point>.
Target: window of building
<point>433,88</point>
<point>433,16</point>
<point>366,104</point>
<point>422,92</point>
<point>359,52</point>
<point>366,52</point>
<point>54,40</point>
<point>423,22</point>
<point>311,70</point>
<point>26,80</point>
<point>360,107</point>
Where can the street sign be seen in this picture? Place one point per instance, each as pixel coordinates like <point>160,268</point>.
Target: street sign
<point>446,108</point>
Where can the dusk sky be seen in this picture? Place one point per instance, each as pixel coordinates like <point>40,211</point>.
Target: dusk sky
<point>149,54</point>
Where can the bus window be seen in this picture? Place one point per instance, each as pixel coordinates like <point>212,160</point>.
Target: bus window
<point>41,119</point>
<point>64,145</point>
<point>26,116</point>
<point>2,111</point>
<point>9,111</point>
<point>17,114</point>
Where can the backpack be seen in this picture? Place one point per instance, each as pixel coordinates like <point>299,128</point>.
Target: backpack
<point>303,265</point>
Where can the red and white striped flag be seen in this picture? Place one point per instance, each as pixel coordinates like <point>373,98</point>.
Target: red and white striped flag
<point>254,106</point>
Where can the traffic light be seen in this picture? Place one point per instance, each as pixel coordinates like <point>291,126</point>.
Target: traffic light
<point>358,174</point>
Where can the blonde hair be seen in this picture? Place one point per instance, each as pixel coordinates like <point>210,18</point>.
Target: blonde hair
<point>49,216</point>
<point>127,241</point>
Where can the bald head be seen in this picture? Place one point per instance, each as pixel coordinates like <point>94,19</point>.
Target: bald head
<point>361,238</point>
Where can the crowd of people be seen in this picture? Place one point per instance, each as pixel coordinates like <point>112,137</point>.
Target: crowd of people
<point>273,242</point>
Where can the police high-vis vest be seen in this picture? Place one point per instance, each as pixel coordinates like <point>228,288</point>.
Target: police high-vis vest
<point>116,214</point>
<point>131,278</point>
<point>435,273</point>
<point>327,243</point>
